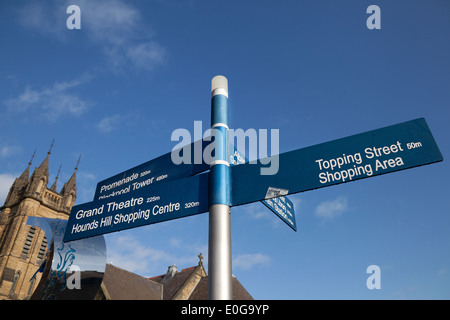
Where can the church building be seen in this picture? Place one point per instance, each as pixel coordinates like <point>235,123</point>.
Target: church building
<point>23,248</point>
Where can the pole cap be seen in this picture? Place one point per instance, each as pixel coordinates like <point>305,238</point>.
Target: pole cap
<point>219,85</point>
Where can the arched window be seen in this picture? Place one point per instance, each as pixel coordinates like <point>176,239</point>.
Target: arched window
<point>13,287</point>
<point>30,289</point>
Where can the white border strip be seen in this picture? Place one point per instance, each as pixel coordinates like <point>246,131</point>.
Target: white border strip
<point>219,125</point>
<point>219,162</point>
<point>219,91</point>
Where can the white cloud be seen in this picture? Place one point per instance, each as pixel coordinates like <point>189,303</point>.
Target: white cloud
<point>108,124</point>
<point>113,26</point>
<point>405,293</point>
<point>442,271</point>
<point>332,208</point>
<point>127,252</point>
<point>258,211</point>
<point>39,18</point>
<point>117,121</point>
<point>54,101</point>
<point>109,21</point>
<point>7,151</point>
<point>146,55</point>
<point>118,28</point>
<point>86,183</point>
<point>175,242</point>
<point>6,181</point>
<point>249,261</point>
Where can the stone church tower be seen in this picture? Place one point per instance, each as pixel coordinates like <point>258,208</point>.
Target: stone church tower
<point>23,247</point>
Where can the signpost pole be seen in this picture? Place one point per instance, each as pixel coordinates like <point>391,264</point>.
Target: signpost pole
<point>219,243</point>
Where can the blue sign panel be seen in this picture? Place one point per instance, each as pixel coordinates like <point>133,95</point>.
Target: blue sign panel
<point>281,206</point>
<point>158,170</point>
<point>284,209</point>
<point>398,147</point>
<point>161,202</point>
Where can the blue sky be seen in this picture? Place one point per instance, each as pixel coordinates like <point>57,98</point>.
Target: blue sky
<point>116,89</point>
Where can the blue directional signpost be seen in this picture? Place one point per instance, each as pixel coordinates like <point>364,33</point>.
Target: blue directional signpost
<point>160,190</point>
<point>398,147</point>
<point>161,202</point>
<point>161,169</point>
<point>281,206</point>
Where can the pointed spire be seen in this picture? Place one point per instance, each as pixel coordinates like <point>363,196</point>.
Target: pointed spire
<point>19,184</point>
<point>43,168</point>
<point>51,146</point>
<point>32,157</point>
<point>72,183</point>
<point>78,162</point>
<point>53,187</point>
<point>73,179</point>
<point>39,178</point>
<point>26,174</point>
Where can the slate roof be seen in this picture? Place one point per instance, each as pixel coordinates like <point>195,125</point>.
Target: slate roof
<point>119,284</point>
<point>171,287</point>
<point>201,291</point>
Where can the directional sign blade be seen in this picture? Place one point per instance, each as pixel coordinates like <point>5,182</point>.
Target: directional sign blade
<point>161,202</point>
<point>160,169</point>
<point>398,147</point>
<point>282,206</point>
<point>284,209</point>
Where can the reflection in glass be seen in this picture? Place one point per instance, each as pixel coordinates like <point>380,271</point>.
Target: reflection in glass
<point>76,268</point>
